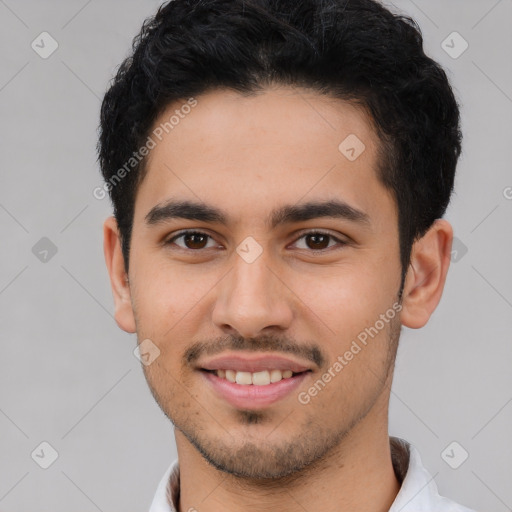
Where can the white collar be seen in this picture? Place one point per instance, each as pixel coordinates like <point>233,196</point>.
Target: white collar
<point>418,492</point>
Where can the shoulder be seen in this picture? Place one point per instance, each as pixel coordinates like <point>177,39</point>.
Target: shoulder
<point>418,492</point>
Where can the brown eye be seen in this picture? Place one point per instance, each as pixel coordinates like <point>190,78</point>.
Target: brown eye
<point>193,240</point>
<point>319,241</point>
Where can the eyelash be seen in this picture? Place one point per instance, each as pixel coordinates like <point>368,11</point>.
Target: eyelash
<point>313,232</point>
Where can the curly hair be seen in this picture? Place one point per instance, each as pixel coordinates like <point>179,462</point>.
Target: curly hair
<point>354,50</point>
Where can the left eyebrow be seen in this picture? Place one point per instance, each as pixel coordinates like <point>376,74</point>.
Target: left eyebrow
<point>286,214</point>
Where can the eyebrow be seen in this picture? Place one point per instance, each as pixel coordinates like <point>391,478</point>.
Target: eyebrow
<point>176,209</point>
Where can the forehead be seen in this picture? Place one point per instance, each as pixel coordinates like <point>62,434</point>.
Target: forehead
<point>280,145</point>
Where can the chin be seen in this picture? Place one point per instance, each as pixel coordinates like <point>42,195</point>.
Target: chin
<point>266,457</point>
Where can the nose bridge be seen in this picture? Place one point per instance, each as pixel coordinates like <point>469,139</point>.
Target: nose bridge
<point>251,283</point>
<point>251,296</point>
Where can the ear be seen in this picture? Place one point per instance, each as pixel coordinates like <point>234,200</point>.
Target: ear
<point>118,278</point>
<point>426,275</point>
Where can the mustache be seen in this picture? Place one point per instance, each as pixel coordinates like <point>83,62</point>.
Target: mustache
<point>266,343</point>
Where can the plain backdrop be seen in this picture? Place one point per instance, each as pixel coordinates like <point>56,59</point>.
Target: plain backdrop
<point>68,375</point>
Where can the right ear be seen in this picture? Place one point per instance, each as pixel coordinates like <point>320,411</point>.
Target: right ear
<point>124,315</point>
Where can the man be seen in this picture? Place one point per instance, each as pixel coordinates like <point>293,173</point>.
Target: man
<point>279,171</point>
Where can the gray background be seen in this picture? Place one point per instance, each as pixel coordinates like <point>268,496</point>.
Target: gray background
<point>68,375</point>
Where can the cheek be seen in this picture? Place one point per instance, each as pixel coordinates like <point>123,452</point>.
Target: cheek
<point>348,310</point>
<point>346,302</point>
<point>165,296</point>
<point>357,374</point>
<point>166,387</point>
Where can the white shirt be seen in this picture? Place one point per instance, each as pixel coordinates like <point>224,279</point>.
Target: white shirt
<point>418,492</point>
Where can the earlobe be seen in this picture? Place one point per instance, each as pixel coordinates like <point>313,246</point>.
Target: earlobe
<point>118,278</point>
<point>426,275</point>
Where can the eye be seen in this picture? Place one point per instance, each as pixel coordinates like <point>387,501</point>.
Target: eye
<point>193,240</point>
<point>197,240</point>
<point>318,240</point>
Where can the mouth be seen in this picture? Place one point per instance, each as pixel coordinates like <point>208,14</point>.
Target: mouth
<point>253,382</point>
<point>261,378</point>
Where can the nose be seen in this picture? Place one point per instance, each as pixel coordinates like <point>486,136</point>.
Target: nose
<point>251,298</point>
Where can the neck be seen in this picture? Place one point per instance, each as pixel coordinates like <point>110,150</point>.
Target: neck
<point>356,476</point>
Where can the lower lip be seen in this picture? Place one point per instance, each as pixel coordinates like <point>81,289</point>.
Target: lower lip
<point>251,396</point>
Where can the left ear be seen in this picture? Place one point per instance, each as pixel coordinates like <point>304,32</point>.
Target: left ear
<point>426,275</point>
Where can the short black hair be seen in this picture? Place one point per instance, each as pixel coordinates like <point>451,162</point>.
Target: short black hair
<point>354,50</point>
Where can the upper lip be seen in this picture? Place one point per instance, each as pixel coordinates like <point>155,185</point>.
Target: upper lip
<point>252,363</point>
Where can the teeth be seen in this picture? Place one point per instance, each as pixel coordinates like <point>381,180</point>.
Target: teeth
<point>276,376</point>
<point>243,378</point>
<point>262,378</point>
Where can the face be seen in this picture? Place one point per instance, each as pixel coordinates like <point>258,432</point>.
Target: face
<point>256,283</point>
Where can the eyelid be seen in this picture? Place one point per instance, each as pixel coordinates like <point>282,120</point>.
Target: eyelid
<point>298,236</point>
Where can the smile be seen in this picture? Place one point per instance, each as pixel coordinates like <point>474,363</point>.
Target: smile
<point>253,381</point>
<point>251,396</point>
<point>263,378</point>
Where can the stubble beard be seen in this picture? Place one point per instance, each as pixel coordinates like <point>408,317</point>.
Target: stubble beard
<point>285,461</point>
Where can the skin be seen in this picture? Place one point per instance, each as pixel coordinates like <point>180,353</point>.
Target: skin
<point>247,156</point>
